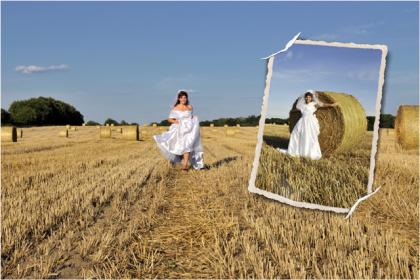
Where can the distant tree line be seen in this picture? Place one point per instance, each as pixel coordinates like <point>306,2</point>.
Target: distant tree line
<point>49,111</point>
<point>385,121</point>
<point>41,111</point>
<point>251,120</point>
<point>114,122</point>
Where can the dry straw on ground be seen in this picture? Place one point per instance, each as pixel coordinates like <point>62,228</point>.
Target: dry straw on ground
<point>8,134</point>
<point>64,133</point>
<point>105,132</point>
<point>341,127</point>
<point>82,208</point>
<point>130,132</point>
<point>230,131</point>
<point>407,126</point>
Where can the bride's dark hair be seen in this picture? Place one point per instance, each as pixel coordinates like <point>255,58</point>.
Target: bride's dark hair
<point>309,94</point>
<point>180,94</point>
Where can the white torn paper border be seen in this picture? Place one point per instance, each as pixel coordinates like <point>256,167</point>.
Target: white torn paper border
<point>269,72</point>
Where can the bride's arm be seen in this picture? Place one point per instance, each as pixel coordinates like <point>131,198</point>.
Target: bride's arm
<point>325,105</point>
<point>173,120</point>
<point>172,117</point>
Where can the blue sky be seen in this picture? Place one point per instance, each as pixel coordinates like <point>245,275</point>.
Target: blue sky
<point>303,67</point>
<point>126,60</point>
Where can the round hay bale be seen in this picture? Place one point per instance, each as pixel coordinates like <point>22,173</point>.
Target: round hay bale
<point>107,124</point>
<point>145,125</point>
<point>341,127</point>
<point>64,133</point>
<point>230,132</point>
<point>105,132</point>
<point>84,124</point>
<point>212,125</point>
<point>407,126</point>
<point>130,132</point>
<point>68,126</point>
<point>8,134</point>
<point>238,125</point>
<point>154,125</point>
<point>112,124</point>
<point>225,125</point>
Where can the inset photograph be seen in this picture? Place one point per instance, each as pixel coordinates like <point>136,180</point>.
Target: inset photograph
<point>319,129</point>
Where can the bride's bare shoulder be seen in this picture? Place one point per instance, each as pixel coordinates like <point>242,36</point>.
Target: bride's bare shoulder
<point>189,106</point>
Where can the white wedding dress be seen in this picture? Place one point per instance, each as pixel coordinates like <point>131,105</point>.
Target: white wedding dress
<point>304,137</point>
<point>182,138</point>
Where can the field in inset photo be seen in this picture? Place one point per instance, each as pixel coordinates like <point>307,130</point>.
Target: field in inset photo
<point>338,179</point>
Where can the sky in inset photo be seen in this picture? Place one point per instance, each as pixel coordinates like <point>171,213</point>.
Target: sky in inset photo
<point>301,68</point>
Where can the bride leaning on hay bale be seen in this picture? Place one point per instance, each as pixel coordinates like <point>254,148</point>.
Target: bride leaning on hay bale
<point>322,123</point>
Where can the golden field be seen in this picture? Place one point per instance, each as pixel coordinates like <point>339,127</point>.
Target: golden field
<point>111,208</point>
<point>335,180</point>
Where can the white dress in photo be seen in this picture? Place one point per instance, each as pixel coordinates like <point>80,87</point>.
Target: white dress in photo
<point>304,137</point>
<point>182,137</point>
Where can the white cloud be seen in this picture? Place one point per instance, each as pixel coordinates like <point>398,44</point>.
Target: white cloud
<point>403,77</point>
<point>326,36</point>
<point>289,55</point>
<point>29,69</point>
<point>301,74</point>
<point>364,75</point>
<point>350,30</point>
<point>174,83</point>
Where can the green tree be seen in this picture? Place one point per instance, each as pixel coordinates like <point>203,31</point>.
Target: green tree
<point>6,118</point>
<point>92,123</point>
<point>111,121</point>
<point>44,111</point>
<point>385,121</point>
<point>164,123</point>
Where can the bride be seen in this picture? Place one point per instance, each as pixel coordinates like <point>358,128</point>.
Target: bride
<point>182,140</point>
<point>304,137</point>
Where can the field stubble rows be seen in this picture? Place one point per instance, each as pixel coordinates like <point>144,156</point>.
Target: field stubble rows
<point>85,207</point>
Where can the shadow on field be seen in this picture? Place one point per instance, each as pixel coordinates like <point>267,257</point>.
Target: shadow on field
<point>276,141</point>
<point>220,162</point>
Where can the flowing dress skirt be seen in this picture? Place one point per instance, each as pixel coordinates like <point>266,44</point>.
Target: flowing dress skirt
<point>304,138</point>
<point>182,138</point>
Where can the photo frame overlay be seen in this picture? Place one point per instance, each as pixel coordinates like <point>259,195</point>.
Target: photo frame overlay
<point>264,108</point>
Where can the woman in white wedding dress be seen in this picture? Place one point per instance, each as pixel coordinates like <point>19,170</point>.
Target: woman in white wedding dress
<point>304,137</point>
<point>182,140</point>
